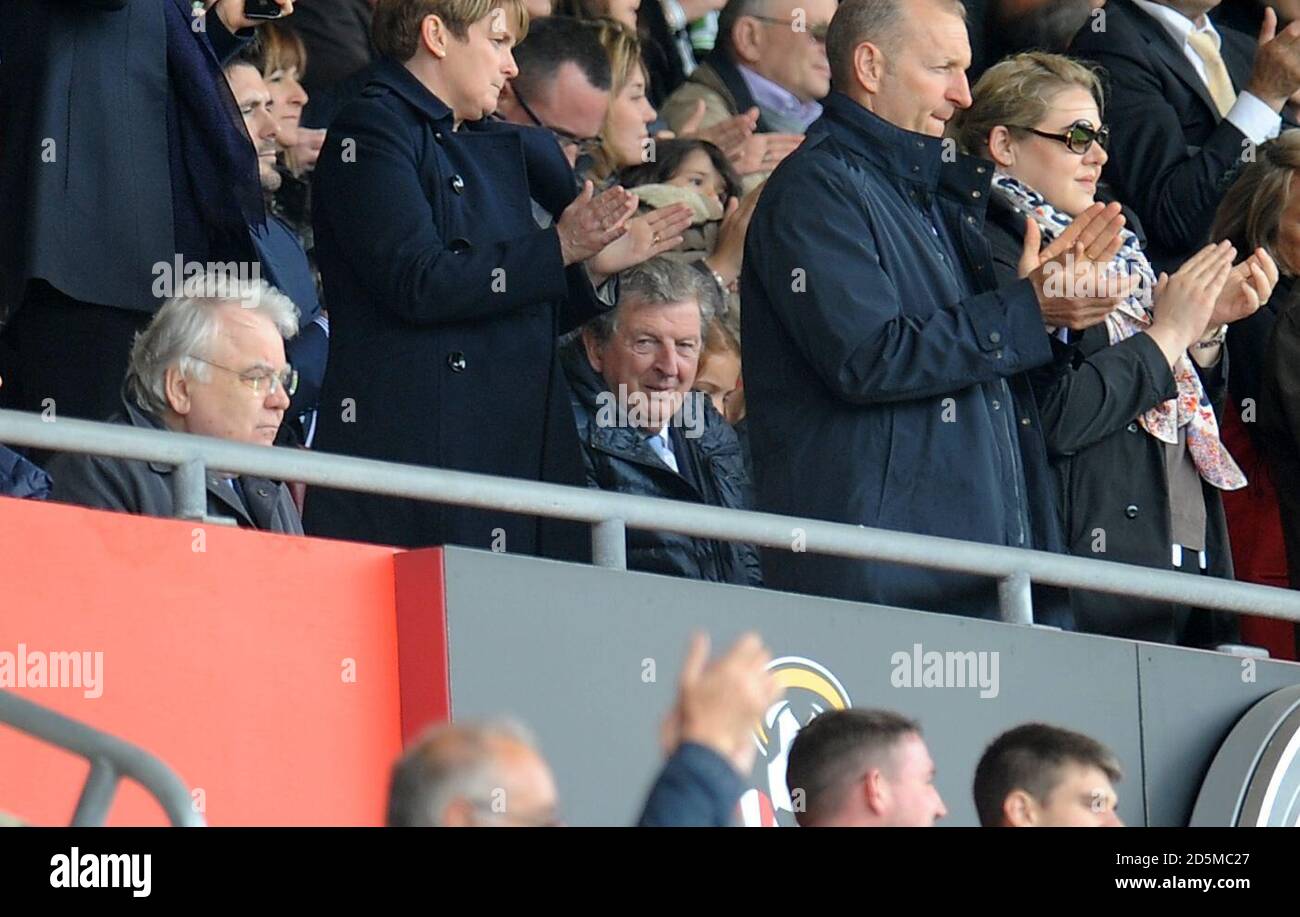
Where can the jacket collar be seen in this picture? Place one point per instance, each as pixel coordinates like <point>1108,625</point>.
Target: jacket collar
<point>260,494</point>
<point>402,82</point>
<point>587,386</point>
<point>905,155</point>
<point>719,73</point>
<point>1164,46</point>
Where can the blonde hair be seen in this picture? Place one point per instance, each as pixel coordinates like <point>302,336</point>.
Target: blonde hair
<point>1017,93</point>
<point>395,29</point>
<point>280,48</point>
<point>624,50</point>
<point>1251,213</point>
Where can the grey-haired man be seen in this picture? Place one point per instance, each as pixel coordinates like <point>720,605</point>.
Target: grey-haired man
<point>211,364</point>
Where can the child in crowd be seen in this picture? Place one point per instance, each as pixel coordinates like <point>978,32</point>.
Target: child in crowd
<point>698,174</point>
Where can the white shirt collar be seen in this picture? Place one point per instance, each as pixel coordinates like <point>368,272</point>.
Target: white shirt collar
<point>1177,25</point>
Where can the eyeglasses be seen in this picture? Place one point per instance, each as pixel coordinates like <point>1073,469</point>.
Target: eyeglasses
<point>586,145</point>
<point>817,32</point>
<point>1079,136</point>
<point>262,381</point>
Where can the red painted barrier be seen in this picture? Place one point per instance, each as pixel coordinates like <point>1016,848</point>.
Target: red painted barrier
<point>262,668</point>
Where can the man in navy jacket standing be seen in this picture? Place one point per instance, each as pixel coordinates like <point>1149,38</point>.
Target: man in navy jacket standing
<point>891,393</point>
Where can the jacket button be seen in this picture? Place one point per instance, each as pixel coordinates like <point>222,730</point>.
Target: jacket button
<point>263,492</point>
<point>997,405</point>
<point>977,195</point>
<point>437,135</point>
<point>970,220</point>
<point>995,337</point>
<point>1024,421</point>
<point>1131,511</point>
<point>1133,427</point>
<point>456,360</point>
<point>458,245</point>
<point>458,184</point>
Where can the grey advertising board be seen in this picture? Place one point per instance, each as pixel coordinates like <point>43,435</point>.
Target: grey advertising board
<point>588,658</point>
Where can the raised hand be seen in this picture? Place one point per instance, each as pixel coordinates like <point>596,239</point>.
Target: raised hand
<point>234,18</point>
<point>1072,277</point>
<point>593,221</point>
<point>764,152</point>
<point>1184,303</point>
<point>1249,286</point>
<point>729,251</point>
<point>1276,74</point>
<point>647,236</point>
<point>719,702</point>
<point>729,135</point>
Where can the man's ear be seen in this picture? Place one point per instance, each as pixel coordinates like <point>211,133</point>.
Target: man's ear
<point>744,39</point>
<point>434,36</point>
<point>875,791</point>
<point>458,814</point>
<point>1001,149</point>
<point>177,389</point>
<point>869,66</point>
<point>593,349</point>
<point>1019,810</point>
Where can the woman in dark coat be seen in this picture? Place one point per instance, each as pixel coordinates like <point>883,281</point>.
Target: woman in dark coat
<point>1128,406</point>
<point>451,247</point>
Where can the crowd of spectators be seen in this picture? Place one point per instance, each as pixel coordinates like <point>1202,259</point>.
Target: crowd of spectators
<point>1017,272</point>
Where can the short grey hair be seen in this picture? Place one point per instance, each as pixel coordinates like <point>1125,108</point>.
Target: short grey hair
<point>856,21</point>
<point>448,762</point>
<point>186,327</point>
<point>661,281</point>
<point>731,14</point>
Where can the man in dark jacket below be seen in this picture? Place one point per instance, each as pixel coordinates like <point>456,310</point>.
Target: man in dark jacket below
<point>891,393</point>
<point>491,775</point>
<point>210,363</point>
<point>643,431</point>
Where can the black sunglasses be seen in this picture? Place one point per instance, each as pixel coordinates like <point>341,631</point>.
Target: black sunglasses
<point>585,145</point>
<point>1079,136</point>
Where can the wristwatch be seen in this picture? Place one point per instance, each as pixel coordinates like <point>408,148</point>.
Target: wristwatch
<point>1219,337</point>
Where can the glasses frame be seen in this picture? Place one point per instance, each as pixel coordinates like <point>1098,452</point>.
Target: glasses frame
<point>288,379</point>
<point>1097,135</point>
<point>817,33</point>
<point>586,145</point>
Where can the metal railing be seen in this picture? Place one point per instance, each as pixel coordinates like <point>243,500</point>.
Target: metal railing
<point>611,514</point>
<point>110,759</point>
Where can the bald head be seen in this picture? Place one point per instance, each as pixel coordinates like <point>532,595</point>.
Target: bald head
<point>472,775</point>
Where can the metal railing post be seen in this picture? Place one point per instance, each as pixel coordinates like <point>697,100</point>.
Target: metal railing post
<point>1015,599</point>
<point>96,795</point>
<point>190,489</point>
<point>609,544</point>
<point>612,514</point>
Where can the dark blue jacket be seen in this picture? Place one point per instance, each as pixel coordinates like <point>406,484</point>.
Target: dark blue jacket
<point>697,788</point>
<point>20,478</point>
<point>711,470</point>
<point>888,391</point>
<point>445,299</point>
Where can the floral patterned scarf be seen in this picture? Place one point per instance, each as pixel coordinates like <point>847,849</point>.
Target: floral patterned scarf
<point>1192,408</point>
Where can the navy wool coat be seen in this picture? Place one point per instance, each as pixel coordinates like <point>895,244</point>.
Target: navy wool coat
<point>446,299</point>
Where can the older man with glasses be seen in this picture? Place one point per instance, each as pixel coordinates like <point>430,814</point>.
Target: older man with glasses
<point>210,363</point>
